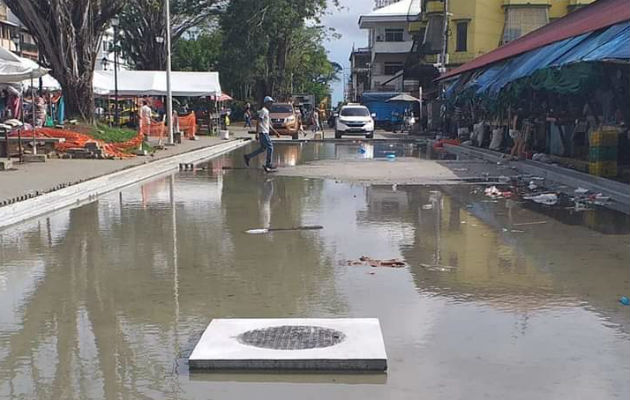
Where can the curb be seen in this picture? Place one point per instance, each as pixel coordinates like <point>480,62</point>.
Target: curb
<point>89,190</point>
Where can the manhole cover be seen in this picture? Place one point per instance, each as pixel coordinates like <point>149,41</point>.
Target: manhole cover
<point>291,337</point>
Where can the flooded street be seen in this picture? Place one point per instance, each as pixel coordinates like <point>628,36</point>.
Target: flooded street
<point>501,300</point>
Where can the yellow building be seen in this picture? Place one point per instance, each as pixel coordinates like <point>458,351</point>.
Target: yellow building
<point>478,26</point>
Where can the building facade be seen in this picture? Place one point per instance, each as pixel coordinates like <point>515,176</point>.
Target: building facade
<point>14,37</point>
<point>479,26</point>
<point>389,43</point>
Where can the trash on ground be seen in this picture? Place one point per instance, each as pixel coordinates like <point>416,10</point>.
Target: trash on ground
<point>427,207</point>
<point>548,199</point>
<point>372,262</point>
<point>495,193</point>
<point>437,267</point>
<point>581,190</point>
<point>297,228</point>
<point>625,301</point>
<point>541,157</point>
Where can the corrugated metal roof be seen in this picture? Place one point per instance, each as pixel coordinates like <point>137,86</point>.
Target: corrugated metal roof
<point>598,15</point>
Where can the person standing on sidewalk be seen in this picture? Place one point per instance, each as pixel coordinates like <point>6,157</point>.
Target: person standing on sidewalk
<point>263,126</point>
<point>248,116</point>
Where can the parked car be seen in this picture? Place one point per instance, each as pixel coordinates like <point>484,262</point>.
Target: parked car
<point>285,119</point>
<point>354,119</point>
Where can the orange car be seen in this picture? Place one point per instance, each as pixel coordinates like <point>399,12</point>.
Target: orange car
<point>285,119</point>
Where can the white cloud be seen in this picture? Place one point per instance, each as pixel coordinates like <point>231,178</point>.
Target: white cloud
<point>346,23</point>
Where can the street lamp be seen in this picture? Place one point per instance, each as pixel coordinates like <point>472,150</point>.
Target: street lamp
<point>115,23</point>
<point>169,94</point>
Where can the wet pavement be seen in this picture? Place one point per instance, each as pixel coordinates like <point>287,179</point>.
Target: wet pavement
<point>501,299</point>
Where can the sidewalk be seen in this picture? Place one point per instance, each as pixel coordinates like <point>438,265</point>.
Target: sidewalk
<point>31,178</point>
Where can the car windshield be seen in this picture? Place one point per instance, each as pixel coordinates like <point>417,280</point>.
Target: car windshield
<point>281,109</point>
<point>355,112</point>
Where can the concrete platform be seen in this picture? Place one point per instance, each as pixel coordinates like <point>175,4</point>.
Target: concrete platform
<point>343,344</point>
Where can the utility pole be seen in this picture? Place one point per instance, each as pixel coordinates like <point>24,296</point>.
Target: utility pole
<point>169,94</point>
<point>445,37</point>
<point>116,111</point>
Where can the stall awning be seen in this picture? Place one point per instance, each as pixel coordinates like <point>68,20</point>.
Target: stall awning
<point>153,83</point>
<point>607,44</point>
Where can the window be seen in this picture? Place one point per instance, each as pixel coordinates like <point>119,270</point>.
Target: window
<point>520,21</point>
<point>281,109</point>
<point>462,36</point>
<point>393,35</point>
<point>355,112</point>
<point>392,67</point>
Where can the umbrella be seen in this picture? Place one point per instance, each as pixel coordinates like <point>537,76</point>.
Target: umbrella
<point>404,97</point>
<point>223,97</point>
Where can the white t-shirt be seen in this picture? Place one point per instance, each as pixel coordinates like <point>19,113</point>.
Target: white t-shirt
<point>145,114</point>
<point>265,121</point>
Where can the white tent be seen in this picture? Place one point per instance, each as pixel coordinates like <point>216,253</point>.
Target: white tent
<point>153,83</point>
<point>14,69</point>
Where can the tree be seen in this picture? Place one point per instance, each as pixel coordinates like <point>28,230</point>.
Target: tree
<point>258,38</point>
<point>68,33</point>
<point>197,54</point>
<point>308,66</point>
<point>142,21</point>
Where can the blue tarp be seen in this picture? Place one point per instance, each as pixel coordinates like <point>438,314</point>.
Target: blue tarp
<point>606,44</point>
<point>611,36</point>
<point>618,49</point>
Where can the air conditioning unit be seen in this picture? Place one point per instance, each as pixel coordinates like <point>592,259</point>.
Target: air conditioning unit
<point>442,61</point>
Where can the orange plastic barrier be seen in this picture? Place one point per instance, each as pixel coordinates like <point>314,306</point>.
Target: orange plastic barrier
<point>76,139</point>
<point>188,124</point>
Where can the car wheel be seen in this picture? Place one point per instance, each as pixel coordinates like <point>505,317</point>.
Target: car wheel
<point>370,136</point>
<point>337,135</point>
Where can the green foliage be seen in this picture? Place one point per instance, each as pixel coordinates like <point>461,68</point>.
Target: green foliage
<point>267,48</point>
<point>110,134</point>
<point>142,21</point>
<point>199,54</point>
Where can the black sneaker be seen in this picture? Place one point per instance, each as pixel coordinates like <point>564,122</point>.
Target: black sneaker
<point>246,159</point>
<point>270,168</point>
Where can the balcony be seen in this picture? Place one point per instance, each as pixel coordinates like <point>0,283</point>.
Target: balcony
<point>392,47</point>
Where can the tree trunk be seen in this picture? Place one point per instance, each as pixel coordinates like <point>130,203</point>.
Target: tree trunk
<point>68,33</point>
<point>79,97</point>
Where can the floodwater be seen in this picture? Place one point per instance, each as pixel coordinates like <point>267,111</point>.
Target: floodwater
<point>107,300</point>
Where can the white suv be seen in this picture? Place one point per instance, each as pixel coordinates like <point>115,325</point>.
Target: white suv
<point>354,119</point>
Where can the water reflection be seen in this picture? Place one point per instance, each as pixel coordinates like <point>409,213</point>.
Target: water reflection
<point>105,300</point>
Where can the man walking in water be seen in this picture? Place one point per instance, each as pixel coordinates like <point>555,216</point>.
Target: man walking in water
<point>263,126</point>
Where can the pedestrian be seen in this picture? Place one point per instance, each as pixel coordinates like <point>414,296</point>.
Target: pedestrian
<point>315,126</point>
<point>248,116</point>
<point>145,118</point>
<point>263,126</point>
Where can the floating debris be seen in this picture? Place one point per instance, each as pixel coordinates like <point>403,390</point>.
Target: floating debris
<point>372,262</point>
<point>439,268</point>
<point>530,223</point>
<point>548,199</point>
<point>495,193</point>
<point>269,230</point>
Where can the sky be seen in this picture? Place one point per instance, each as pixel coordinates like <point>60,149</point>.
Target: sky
<point>346,22</point>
